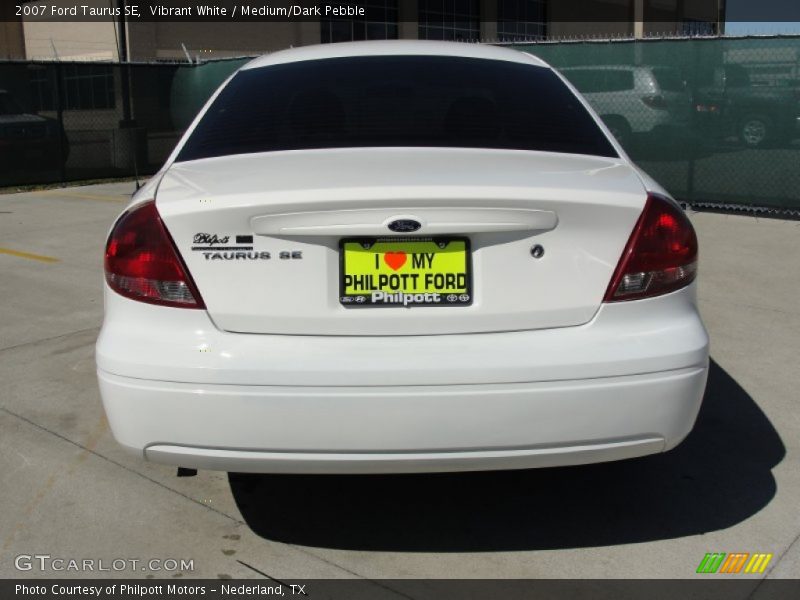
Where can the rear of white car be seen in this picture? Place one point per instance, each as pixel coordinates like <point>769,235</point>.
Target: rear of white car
<point>399,257</point>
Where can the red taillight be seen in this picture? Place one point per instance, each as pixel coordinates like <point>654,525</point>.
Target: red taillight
<point>142,262</point>
<point>660,256</point>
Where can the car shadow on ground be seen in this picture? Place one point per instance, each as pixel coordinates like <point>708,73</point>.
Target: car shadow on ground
<point>718,477</point>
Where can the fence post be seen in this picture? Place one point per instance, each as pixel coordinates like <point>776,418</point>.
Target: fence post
<point>690,178</point>
<point>124,73</point>
<point>62,159</point>
<point>690,167</point>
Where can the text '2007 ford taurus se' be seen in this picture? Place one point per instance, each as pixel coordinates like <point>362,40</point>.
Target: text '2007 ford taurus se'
<point>400,257</point>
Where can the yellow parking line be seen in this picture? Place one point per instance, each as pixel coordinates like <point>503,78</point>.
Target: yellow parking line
<point>97,198</point>
<point>39,257</point>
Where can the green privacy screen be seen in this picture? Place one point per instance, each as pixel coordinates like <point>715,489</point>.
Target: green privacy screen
<point>715,121</point>
<point>77,121</point>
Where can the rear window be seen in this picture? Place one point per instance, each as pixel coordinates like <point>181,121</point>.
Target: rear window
<point>395,101</point>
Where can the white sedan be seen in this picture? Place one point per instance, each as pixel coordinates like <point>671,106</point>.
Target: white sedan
<point>400,257</point>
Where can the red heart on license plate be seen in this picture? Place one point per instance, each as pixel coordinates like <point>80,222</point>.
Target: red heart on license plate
<point>395,260</point>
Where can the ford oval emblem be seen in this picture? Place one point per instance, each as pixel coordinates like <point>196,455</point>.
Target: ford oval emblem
<point>405,226</point>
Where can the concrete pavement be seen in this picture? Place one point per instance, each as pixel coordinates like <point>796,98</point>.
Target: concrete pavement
<point>69,491</point>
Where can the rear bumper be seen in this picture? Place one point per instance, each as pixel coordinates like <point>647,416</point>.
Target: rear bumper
<point>177,390</point>
<point>406,429</point>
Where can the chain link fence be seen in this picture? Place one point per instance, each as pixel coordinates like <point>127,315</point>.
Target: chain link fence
<point>716,121</point>
<point>64,121</point>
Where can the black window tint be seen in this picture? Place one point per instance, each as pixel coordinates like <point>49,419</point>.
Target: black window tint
<point>395,101</point>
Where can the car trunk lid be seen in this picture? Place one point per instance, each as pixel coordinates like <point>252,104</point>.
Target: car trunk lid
<point>262,234</point>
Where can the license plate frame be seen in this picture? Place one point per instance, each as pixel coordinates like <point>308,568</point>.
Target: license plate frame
<point>450,299</point>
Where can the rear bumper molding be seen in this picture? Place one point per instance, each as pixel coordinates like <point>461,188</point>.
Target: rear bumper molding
<point>431,462</point>
<point>402,429</point>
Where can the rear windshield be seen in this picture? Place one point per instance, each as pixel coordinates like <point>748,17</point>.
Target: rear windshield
<point>395,101</point>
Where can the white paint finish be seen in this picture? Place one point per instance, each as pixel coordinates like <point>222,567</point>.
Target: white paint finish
<point>594,201</point>
<point>322,463</point>
<point>287,177</point>
<point>637,371</point>
<point>411,426</point>
<point>537,372</point>
<point>394,48</point>
<point>375,221</point>
<point>152,342</point>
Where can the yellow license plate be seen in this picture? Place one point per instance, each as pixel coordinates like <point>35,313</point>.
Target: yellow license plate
<point>405,272</point>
